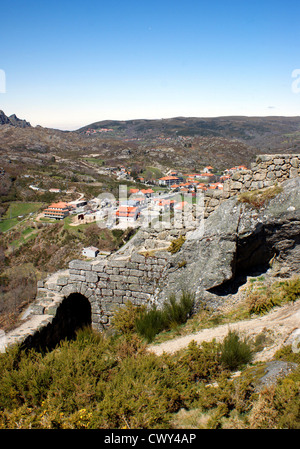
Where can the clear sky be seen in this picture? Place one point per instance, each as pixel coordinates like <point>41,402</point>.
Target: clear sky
<point>71,63</point>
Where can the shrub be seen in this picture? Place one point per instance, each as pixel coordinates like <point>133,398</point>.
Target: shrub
<point>150,323</point>
<point>234,351</point>
<point>172,314</point>
<point>125,317</point>
<point>203,361</point>
<point>262,299</point>
<point>291,289</point>
<point>176,244</point>
<point>176,313</point>
<point>262,302</point>
<point>258,198</point>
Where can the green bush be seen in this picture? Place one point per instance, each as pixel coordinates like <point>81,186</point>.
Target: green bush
<point>172,314</point>
<point>150,323</point>
<point>98,381</point>
<point>123,320</point>
<point>291,289</point>
<point>176,244</point>
<point>261,298</point>
<point>234,351</point>
<point>204,362</point>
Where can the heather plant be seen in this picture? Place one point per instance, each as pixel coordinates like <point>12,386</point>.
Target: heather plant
<point>112,382</point>
<point>262,298</point>
<point>235,351</point>
<point>172,314</point>
<point>124,318</point>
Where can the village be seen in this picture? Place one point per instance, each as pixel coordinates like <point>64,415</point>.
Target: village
<point>167,196</point>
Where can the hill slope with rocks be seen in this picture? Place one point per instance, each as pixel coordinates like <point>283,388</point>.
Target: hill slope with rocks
<point>177,143</point>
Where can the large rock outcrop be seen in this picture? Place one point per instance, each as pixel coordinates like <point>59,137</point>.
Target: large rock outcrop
<point>239,240</point>
<point>13,120</point>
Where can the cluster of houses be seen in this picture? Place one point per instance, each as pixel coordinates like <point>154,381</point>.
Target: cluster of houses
<point>206,180</point>
<point>91,131</point>
<point>141,199</point>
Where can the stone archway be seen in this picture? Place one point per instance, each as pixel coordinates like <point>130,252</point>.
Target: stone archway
<point>72,314</point>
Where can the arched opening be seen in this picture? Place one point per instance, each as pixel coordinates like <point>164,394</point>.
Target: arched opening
<point>73,314</point>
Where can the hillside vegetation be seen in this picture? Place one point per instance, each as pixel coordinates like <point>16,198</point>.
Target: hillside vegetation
<point>104,381</point>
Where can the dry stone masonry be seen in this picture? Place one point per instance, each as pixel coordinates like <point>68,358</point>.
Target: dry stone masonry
<point>107,284</point>
<point>268,170</point>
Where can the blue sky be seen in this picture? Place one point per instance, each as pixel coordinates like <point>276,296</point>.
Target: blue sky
<point>70,63</point>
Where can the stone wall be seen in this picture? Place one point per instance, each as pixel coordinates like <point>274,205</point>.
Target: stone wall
<point>107,284</point>
<point>266,171</point>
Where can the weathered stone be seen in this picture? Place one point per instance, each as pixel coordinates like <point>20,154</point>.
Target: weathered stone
<point>137,273</point>
<point>293,172</point>
<point>80,265</point>
<point>67,290</point>
<point>91,277</point>
<point>106,292</point>
<point>118,263</point>
<point>99,267</point>
<point>136,257</point>
<point>52,309</point>
<point>295,162</point>
<point>132,280</point>
<point>102,284</point>
<point>62,281</point>
<point>77,277</point>
<point>236,176</point>
<point>72,271</point>
<point>260,176</point>
<point>53,287</point>
<point>236,185</point>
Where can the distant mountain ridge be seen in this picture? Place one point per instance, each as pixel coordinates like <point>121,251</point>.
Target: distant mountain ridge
<point>13,120</point>
<point>263,132</point>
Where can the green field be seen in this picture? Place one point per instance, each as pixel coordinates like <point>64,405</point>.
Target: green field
<point>94,160</point>
<point>16,212</point>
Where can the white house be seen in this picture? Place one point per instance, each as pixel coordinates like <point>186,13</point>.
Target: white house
<point>90,251</point>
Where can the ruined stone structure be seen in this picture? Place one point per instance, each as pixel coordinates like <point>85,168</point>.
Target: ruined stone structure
<point>268,170</point>
<point>105,283</point>
<point>235,237</point>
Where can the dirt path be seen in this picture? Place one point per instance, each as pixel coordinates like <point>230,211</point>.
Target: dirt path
<point>283,324</point>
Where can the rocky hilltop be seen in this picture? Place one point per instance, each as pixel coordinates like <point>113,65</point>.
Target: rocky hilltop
<point>13,120</point>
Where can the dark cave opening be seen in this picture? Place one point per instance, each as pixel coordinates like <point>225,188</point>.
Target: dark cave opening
<point>74,313</point>
<point>253,256</point>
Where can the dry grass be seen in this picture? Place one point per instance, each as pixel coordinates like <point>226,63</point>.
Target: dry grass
<point>258,198</point>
